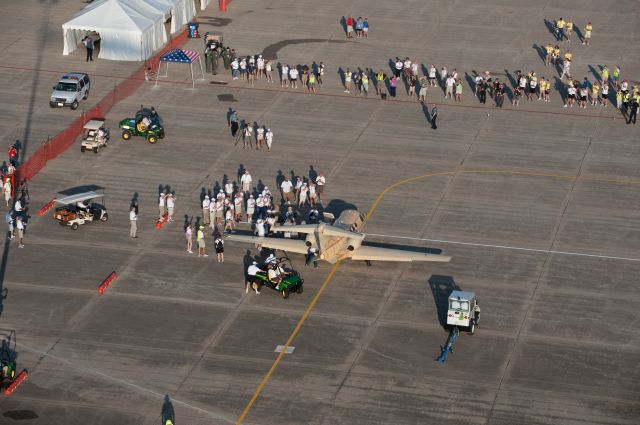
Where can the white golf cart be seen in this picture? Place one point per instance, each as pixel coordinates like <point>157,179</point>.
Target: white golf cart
<point>81,208</point>
<point>464,311</point>
<point>96,136</point>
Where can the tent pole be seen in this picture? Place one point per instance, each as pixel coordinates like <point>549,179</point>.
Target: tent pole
<point>193,84</point>
<point>201,70</point>
<point>158,72</point>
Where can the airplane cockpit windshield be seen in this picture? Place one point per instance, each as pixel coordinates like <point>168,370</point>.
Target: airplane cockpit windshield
<point>458,305</point>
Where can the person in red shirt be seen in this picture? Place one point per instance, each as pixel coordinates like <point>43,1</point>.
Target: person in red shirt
<point>349,27</point>
<point>13,153</point>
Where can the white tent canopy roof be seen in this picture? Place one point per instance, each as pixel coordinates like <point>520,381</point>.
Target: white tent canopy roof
<point>129,29</point>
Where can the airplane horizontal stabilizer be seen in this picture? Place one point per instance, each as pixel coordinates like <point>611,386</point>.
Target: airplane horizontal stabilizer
<point>299,228</point>
<point>289,245</point>
<point>387,254</point>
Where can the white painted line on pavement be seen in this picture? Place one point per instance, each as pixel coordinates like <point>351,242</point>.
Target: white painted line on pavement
<point>513,248</point>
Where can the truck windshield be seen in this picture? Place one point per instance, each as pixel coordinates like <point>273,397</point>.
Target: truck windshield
<point>459,305</point>
<point>67,87</point>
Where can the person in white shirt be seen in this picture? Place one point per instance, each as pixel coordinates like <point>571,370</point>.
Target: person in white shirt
<point>432,75</point>
<point>188,234</point>
<point>399,66</point>
<point>320,182</point>
<point>235,66</point>
<point>6,189</point>
<point>260,65</point>
<point>444,73</point>
<point>162,204</point>
<point>251,208</point>
<point>245,181</point>
<point>313,194</point>
<point>407,68</point>
<point>228,188</point>
<point>269,136</point>
<point>20,229</point>
<point>212,213</point>
<point>260,228</point>
<point>229,222</point>
<point>133,221</point>
<point>171,203</point>
<point>251,278</point>
<point>286,190</point>
<point>205,209</point>
<point>450,83</point>
<point>269,71</point>
<point>297,187</point>
<point>259,137</point>
<point>347,80</point>
<point>284,78</point>
<point>293,76</point>
<point>237,206</point>
<point>302,198</point>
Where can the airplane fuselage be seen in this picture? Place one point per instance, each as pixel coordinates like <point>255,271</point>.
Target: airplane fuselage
<point>333,248</point>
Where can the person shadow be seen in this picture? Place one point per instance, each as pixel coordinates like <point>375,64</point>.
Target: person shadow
<point>552,28</point>
<point>167,412</point>
<point>315,69</point>
<point>470,81</point>
<point>241,171</point>
<point>216,189</point>
<point>578,33</point>
<point>427,113</point>
<point>596,73</point>
<point>279,179</point>
<point>343,22</point>
<point>279,68</point>
<point>392,66</point>
<point>560,87</point>
<point>313,175</point>
<point>341,75</point>
<point>541,51</point>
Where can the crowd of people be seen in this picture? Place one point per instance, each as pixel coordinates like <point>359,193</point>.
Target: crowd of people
<point>243,201</point>
<point>419,80</point>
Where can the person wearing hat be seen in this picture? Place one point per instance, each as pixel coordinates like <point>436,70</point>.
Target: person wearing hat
<point>251,278</point>
<point>201,243</point>
<point>269,139</point>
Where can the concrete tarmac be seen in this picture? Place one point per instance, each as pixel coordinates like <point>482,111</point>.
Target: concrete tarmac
<point>538,206</point>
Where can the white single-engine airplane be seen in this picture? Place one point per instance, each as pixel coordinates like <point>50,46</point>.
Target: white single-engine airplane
<point>337,241</point>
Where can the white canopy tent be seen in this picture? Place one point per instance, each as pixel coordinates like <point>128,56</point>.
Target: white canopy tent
<point>180,11</point>
<point>130,30</point>
<point>204,4</point>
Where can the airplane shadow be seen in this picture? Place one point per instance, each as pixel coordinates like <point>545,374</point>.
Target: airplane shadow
<point>408,248</point>
<point>441,287</point>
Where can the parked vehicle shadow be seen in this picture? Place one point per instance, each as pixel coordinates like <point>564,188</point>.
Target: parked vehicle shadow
<point>441,287</point>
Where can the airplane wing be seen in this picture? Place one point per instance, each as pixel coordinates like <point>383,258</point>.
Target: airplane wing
<point>387,254</point>
<point>289,245</point>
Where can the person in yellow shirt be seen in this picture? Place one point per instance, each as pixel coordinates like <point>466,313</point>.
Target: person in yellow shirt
<point>569,30</point>
<point>568,56</point>
<point>587,34</point>
<point>556,55</point>
<point>595,93</point>
<point>547,90</point>
<point>549,50</point>
<point>560,29</point>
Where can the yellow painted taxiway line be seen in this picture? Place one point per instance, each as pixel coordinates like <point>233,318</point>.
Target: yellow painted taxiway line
<point>524,173</point>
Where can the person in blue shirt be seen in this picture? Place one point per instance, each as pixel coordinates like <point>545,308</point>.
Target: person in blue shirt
<point>359,27</point>
<point>586,84</point>
<point>365,28</point>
